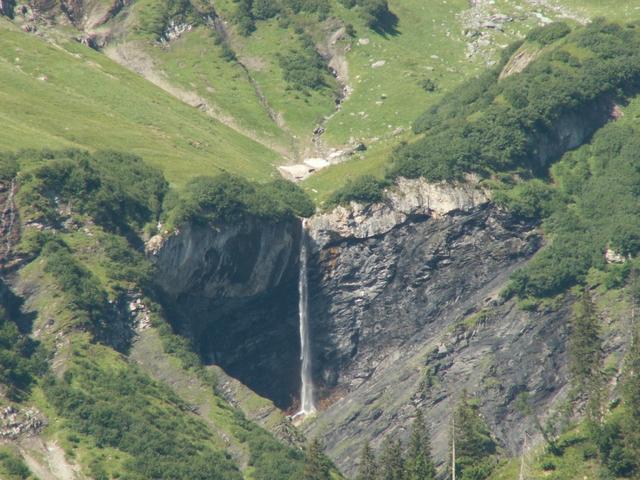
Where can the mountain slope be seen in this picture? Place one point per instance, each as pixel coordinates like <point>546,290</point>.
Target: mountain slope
<point>62,94</point>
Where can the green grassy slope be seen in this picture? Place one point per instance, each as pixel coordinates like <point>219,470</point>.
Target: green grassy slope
<point>432,42</point>
<point>64,94</point>
<point>429,41</point>
<point>119,403</point>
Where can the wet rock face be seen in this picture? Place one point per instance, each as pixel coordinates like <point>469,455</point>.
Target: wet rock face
<point>405,314</point>
<point>371,296</point>
<point>233,291</point>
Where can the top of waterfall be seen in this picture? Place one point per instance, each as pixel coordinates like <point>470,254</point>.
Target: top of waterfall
<point>410,197</point>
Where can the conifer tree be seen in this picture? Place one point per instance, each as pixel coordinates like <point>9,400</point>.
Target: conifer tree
<point>316,466</point>
<point>584,345</point>
<point>474,445</point>
<point>419,462</point>
<point>368,469</point>
<point>391,463</point>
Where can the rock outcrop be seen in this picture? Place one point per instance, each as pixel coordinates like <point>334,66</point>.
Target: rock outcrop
<point>389,284</point>
<point>405,313</point>
<point>572,129</point>
<point>232,291</point>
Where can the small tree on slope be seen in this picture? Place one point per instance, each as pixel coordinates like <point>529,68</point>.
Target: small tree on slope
<point>316,466</point>
<point>368,469</point>
<point>419,463</point>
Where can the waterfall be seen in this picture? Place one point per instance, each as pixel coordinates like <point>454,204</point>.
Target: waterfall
<point>306,391</point>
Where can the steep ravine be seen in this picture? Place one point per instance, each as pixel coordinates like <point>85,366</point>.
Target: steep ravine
<point>232,290</point>
<point>404,312</point>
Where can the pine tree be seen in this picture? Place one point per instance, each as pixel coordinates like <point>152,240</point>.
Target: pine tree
<point>585,350</point>
<point>474,445</point>
<point>316,466</point>
<point>367,470</point>
<point>419,461</point>
<point>391,464</point>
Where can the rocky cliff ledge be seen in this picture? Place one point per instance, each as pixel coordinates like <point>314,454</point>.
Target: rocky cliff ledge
<point>405,313</point>
<point>233,291</point>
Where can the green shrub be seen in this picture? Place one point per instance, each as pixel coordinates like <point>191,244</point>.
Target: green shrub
<point>118,190</point>
<point>124,263</point>
<point>580,220</point>
<point>119,407</point>
<point>428,85</point>
<point>230,199</point>
<point>13,466</point>
<point>305,68</point>
<point>489,126</point>
<point>243,18</point>
<point>22,358</point>
<point>548,466</point>
<point>364,189</point>
<point>264,9</point>
<point>528,200</point>
<point>548,34</point>
<point>8,167</point>
<point>227,52</point>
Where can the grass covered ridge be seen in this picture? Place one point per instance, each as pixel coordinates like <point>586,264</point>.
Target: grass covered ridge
<point>62,95</point>
<point>83,217</point>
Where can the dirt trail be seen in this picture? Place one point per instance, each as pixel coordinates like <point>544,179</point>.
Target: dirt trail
<point>47,460</point>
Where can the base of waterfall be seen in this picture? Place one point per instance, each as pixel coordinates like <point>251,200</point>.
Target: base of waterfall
<point>299,417</point>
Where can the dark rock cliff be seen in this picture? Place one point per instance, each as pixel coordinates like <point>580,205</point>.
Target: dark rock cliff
<point>233,292</point>
<point>405,314</point>
<point>385,301</point>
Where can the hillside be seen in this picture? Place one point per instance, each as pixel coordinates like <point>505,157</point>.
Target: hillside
<point>455,259</point>
<point>198,54</point>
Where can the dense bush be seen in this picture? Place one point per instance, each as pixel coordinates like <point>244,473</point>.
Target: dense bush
<point>120,407</point>
<point>230,199</point>
<point>305,68</point>
<point>249,11</point>
<point>321,7</point>
<point>530,200</point>
<point>8,167</point>
<point>374,12</point>
<point>491,126</point>
<point>365,189</point>
<point>243,17</point>
<point>118,190</point>
<point>83,291</point>
<point>270,459</point>
<point>549,33</point>
<point>22,358</point>
<point>12,466</point>
<point>428,85</point>
<point>124,263</point>
<point>600,209</point>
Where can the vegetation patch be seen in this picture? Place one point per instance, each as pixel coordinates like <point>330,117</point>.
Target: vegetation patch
<point>230,199</point>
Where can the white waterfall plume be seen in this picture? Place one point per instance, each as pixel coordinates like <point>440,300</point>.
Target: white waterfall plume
<point>307,405</point>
